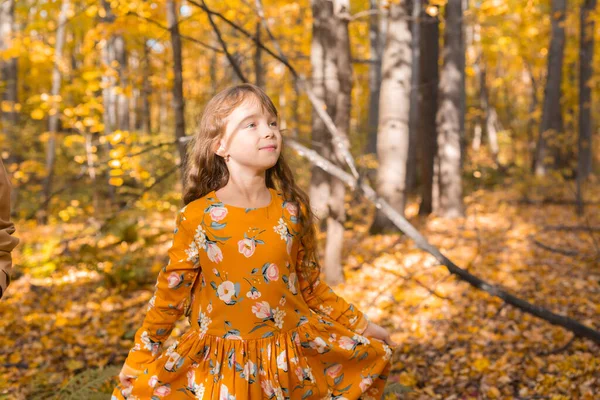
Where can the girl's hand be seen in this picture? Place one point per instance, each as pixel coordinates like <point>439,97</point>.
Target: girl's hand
<point>127,376</point>
<point>378,332</point>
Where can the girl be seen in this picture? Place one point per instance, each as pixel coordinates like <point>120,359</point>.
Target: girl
<point>243,268</point>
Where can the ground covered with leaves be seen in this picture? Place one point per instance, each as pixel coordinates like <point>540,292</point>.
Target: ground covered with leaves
<point>69,313</point>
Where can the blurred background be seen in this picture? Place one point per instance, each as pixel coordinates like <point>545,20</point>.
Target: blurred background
<point>476,120</point>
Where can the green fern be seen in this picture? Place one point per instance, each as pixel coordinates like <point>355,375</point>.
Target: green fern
<point>93,384</point>
<point>396,389</point>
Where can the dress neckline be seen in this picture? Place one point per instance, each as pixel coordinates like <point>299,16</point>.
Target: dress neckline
<point>271,202</point>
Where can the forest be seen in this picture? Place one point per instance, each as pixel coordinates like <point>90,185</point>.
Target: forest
<point>450,150</point>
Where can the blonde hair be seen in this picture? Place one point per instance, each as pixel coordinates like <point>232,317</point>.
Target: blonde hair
<point>206,171</point>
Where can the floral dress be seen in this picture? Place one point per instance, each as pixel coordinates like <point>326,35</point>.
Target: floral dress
<point>257,331</point>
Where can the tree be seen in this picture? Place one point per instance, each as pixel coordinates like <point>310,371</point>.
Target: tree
<point>324,85</point>
<point>114,97</point>
<point>377,28</point>
<point>53,121</point>
<point>428,103</point>
<point>449,115</point>
<point>394,109</point>
<point>586,55</point>
<point>332,84</point>
<point>178,102</point>
<point>411,162</point>
<point>552,123</point>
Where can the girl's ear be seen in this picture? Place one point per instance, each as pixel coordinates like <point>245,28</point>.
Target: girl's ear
<point>219,150</point>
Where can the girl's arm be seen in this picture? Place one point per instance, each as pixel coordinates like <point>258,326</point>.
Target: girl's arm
<point>173,286</point>
<point>324,300</point>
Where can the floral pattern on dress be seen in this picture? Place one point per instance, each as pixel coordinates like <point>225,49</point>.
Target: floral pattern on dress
<point>254,319</point>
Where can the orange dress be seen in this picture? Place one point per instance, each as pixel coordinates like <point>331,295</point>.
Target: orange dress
<point>257,332</point>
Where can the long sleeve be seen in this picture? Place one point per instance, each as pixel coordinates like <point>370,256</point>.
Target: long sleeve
<point>173,287</point>
<point>324,300</point>
<point>7,228</point>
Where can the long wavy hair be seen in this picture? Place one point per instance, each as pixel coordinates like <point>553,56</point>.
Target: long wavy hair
<point>206,171</point>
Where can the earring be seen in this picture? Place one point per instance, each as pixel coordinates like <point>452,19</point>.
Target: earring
<point>227,158</point>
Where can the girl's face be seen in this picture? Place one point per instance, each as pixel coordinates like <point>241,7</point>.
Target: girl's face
<point>252,138</point>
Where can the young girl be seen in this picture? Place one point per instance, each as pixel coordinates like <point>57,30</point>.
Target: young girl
<point>243,268</point>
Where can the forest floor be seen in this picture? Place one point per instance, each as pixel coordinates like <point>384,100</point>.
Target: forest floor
<point>456,342</point>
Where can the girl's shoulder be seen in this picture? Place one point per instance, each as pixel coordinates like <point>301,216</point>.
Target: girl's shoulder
<point>195,208</point>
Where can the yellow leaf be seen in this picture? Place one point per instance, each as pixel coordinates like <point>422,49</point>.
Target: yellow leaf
<point>72,365</point>
<point>481,364</point>
<point>91,11</point>
<point>407,379</point>
<point>7,106</point>
<point>115,181</point>
<point>531,372</point>
<point>37,114</point>
<point>493,393</point>
<point>14,358</point>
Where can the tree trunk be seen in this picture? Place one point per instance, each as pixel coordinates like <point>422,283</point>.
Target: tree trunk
<point>214,66</point>
<point>394,107</point>
<point>146,117</point>
<point>134,103</point>
<point>551,124</point>
<point>259,75</point>
<point>92,171</point>
<point>322,81</point>
<point>411,165</point>
<point>122,99</point>
<point>462,64</point>
<point>116,102</point>
<point>428,103</point>
<point>491,122</point>
<point>531,119</point>
<point>53,119</point>
<point>282,97</point>
<point>449,116</point>
<point>178,102</point>
<point>586,55</point>
<point>376,50</point>
<point>334,273</point>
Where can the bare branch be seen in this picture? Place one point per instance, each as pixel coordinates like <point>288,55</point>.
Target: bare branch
<point>574,326</point>
<point>340,141</point>
<point>232,61</point>
<point>161,26</point>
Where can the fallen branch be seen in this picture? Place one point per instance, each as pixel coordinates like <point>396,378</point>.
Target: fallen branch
<point>558,350</point>
<point>571,228</point>
<point>564,252</point>
<point>550,201</point>
<point>560,320</point>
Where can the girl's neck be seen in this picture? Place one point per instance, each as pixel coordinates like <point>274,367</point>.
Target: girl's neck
<point>255,197</point>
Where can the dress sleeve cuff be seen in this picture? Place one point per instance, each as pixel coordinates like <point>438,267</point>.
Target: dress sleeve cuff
<point>362,324</point>
<point>128,370</point>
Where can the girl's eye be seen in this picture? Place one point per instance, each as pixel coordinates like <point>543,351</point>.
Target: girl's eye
<point>252,123</point>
